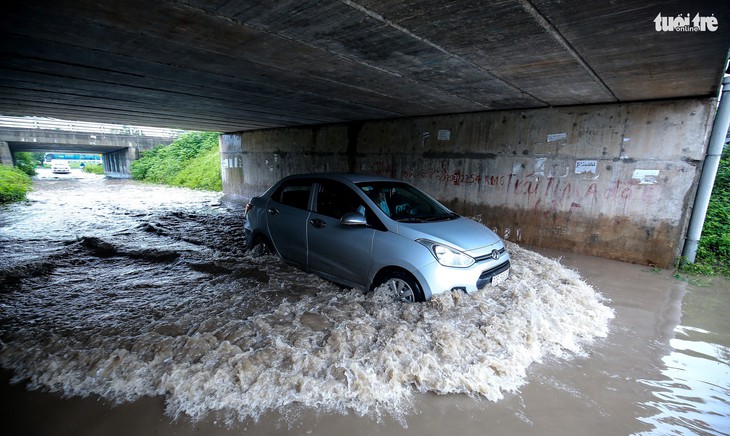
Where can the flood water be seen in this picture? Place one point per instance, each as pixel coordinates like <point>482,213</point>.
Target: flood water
<point>128,308</point>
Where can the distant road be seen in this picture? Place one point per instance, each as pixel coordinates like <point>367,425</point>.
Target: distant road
<point>76,173</point>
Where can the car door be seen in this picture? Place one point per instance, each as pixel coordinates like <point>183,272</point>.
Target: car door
<point>338,251</point>
<point>287,214</point>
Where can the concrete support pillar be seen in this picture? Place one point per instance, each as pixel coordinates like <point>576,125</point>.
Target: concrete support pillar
<point>108,160</point>
<point>6,158</point>
<point>117,163</point>
<point>232,174</point>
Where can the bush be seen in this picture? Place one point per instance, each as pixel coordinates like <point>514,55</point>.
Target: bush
<point>713,252</point>
<point>94,168</point>
<point>14,184</point>
<point>25,162</point>
<point>192,161</point>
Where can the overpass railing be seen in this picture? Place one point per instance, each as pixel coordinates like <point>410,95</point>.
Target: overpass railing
<point>83,126</point>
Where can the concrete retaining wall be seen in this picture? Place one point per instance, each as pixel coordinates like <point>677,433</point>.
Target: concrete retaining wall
<point>614,181</point>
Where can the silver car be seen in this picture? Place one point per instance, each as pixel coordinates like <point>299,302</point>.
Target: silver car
<point>365,231</point>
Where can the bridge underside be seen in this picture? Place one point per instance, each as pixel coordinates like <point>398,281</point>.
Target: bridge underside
<point>572,124</point>
<point>235,65</point>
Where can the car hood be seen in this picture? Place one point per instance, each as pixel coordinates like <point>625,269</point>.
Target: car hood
<point>461,233</point>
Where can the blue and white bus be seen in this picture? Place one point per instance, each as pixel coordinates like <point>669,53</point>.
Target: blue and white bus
<point>72,157</point>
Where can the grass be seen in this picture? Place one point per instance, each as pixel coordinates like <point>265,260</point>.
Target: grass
<point>192,161</point>
<point>713,252</point>
<point>94,168</point>
<point>14,184</point>
<point>202,172</point>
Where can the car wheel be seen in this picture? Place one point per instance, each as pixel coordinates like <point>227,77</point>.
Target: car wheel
<point>403,287</point>
<point>262,246</point>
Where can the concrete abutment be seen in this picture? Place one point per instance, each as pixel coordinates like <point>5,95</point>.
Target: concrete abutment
<point>117,163</point>
<point>6,157</point>
<point>232,173</point>
<point>614,181</point>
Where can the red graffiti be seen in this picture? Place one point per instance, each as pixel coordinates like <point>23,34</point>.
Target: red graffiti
<point>550,194</point>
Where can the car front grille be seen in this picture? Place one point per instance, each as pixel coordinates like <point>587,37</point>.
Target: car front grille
<point>489,256</point>
<point>486,276</point>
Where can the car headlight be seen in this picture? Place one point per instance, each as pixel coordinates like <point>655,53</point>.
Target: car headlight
<point>446,255</point>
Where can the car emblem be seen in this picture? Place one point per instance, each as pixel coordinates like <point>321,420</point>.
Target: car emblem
<point>495,254</point>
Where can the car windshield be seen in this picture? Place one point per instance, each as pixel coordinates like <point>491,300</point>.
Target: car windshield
<point>405,203</point>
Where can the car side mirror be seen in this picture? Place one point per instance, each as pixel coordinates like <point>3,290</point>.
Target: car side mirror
<point>353,219</point>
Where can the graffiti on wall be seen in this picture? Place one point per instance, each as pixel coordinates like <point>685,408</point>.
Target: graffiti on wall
<point>533,190</point>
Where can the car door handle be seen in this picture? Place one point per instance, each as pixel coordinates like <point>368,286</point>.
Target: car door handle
<point>273,211</point>
<point>318,223</point>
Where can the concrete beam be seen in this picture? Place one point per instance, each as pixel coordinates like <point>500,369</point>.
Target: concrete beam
<point>35,140</point>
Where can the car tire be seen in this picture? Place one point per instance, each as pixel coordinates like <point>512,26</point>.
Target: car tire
<point>263,246</point>
<point>403,286</point>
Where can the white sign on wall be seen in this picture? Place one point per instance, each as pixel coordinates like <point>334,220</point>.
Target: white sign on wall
<point>646,177</point>
<point>444,134</point>
<point>585,166</point>
<point>556,137</point>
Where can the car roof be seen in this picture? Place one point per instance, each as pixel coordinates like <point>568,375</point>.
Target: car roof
<point>351,177</point>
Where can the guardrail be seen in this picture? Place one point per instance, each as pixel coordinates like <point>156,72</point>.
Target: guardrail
<point>83,126</point>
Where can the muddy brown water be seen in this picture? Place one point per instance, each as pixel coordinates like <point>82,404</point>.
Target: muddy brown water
<point>134,309</point>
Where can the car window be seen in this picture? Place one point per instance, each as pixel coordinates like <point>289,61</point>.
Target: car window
<point>294,193</point>
<point>404,202</point>
<point>335,199</point>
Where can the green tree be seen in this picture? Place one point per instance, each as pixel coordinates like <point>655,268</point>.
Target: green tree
<point>38,157</point>
<point>25,162</point>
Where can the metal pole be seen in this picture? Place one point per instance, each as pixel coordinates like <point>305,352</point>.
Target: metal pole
<point>709,172</point>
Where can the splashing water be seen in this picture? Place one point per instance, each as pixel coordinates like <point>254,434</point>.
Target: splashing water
<point>174,309</point>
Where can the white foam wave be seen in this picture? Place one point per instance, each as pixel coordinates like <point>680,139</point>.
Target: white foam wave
<point>240,348</point>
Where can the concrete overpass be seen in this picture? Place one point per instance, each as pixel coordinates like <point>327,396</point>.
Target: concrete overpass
<point>117,150</point>
<point>234,65</point>
<point>579,124</point>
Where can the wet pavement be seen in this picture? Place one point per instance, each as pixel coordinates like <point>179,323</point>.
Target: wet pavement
<point>128,308</point>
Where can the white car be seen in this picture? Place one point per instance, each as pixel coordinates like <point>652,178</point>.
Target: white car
<point>60,167</point>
